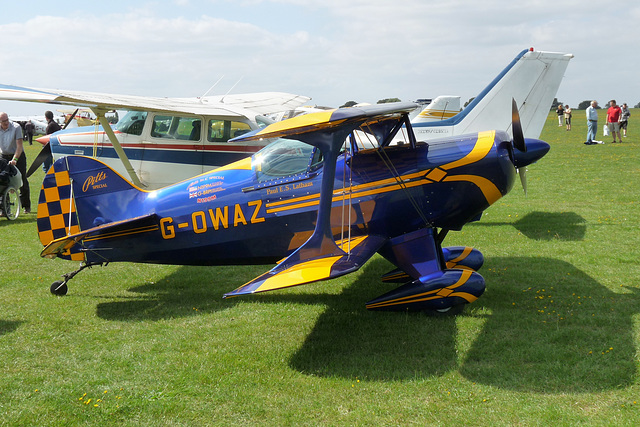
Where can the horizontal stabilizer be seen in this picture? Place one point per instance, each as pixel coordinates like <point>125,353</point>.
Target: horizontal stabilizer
<point>128,227</point>
<point>286,274</point>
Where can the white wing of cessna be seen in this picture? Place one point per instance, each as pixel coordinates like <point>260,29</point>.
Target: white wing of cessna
<point>158,133</point>
<point>164,140</point>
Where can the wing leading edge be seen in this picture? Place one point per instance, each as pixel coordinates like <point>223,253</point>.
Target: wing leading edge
<point>230,105</point>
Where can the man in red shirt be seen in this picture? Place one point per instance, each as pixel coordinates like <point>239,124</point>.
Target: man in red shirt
<point>613,120</point>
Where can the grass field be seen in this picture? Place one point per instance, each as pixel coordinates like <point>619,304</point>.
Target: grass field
<point>554,340</point>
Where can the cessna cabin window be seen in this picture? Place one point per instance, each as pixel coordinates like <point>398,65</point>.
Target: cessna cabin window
<point>175,127</point>
<point>224,130</point>
<point>132,123</point>
<point>285,158</point>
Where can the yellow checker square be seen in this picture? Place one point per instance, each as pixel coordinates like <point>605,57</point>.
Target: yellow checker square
<point>78,256</point>
<point>67,206</point>
<point>62,178</point>
<point>436,175</point>
<point>51,194</point>
<point>57,222</point>
<point>46,237</point>
<point>43,210</point>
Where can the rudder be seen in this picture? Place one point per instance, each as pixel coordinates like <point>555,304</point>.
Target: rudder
<point>79,193</point>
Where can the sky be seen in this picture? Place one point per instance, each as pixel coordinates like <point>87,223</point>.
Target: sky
<point>333,51</point>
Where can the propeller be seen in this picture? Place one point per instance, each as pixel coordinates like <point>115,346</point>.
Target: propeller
<point>524,151</point>
<point>516,127</point>
<point>518,141</point>
<point>43,155</point>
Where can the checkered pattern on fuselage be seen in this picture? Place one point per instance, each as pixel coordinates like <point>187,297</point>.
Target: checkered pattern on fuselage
<point>57,210</point>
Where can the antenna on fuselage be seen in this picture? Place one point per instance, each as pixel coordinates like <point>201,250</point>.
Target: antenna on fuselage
<point>211,88</point>
<point>239,80</point>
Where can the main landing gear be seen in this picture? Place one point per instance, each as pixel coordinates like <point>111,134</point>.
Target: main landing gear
<point>60,288</point>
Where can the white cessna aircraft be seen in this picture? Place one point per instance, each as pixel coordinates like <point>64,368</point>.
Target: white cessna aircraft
<point>163,140</point>
<point>160,141</point>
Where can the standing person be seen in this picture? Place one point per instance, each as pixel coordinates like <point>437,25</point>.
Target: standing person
<point>567,116</point>
<point>29,129</point>
<point>52,127</point>
<point>592,123</point>
<point>613,120</point>
<point>12,150</point>
<point>560,113</point>
<point>624,119</point>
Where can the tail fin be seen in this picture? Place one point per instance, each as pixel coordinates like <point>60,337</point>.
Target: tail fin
<point>532,79</point>
<point>79,193</point>
<point>441,108</point>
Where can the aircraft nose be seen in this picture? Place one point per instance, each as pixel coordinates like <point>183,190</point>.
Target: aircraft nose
<point>536,149</point>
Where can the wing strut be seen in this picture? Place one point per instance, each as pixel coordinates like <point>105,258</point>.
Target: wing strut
<point>119,151</point>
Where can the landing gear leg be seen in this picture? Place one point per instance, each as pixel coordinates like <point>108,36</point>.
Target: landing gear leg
<point>60,288</point>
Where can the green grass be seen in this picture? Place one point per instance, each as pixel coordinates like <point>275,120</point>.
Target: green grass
<point>554,339</point>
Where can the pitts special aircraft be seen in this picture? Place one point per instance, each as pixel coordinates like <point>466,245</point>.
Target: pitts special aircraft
<point>159,133</point>
<point>326,195</point>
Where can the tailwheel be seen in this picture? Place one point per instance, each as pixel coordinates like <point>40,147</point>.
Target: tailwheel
<point>59,287</point>
<point>11,203</point>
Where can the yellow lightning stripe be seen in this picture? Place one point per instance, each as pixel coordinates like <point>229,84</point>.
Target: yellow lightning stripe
<point>465,253</point>
<point>488,188</point>
<point>298,274</point>
<point>123,233</point>
<point>296,200</point>
<point>480,150</point>
<point>426,296</point>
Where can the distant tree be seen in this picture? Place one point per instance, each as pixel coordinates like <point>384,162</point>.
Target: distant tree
<point>584,105</point>
<point>637,105</point>
<point>469,101</point>
<point>555,103</point>
<point>387,100</point>
<point>348,104</point>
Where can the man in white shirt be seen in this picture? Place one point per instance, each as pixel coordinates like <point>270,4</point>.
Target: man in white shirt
<point>12,150</point>
<point>592,123</point>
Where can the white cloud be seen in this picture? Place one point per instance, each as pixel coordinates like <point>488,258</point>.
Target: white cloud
<point>331,50</point>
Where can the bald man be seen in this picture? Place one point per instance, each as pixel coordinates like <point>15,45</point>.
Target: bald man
<point>12,150</point>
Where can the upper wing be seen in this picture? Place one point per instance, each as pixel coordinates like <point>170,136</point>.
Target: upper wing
<point>293,271</point>
<point>230,105</point>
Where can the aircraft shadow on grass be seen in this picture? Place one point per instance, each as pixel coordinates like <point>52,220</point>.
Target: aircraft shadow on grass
<point>180,293</point>
<point>567,226</point>
<point>546,326</point>
<point>8,326</point>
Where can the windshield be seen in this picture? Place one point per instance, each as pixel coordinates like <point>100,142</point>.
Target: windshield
<point>284,158</point>
<point>132,123</point>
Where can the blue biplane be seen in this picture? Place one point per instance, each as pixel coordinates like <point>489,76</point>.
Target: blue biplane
<point>330,191</point>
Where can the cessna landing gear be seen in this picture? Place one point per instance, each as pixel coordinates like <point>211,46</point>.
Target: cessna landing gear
<point>60,288</point>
